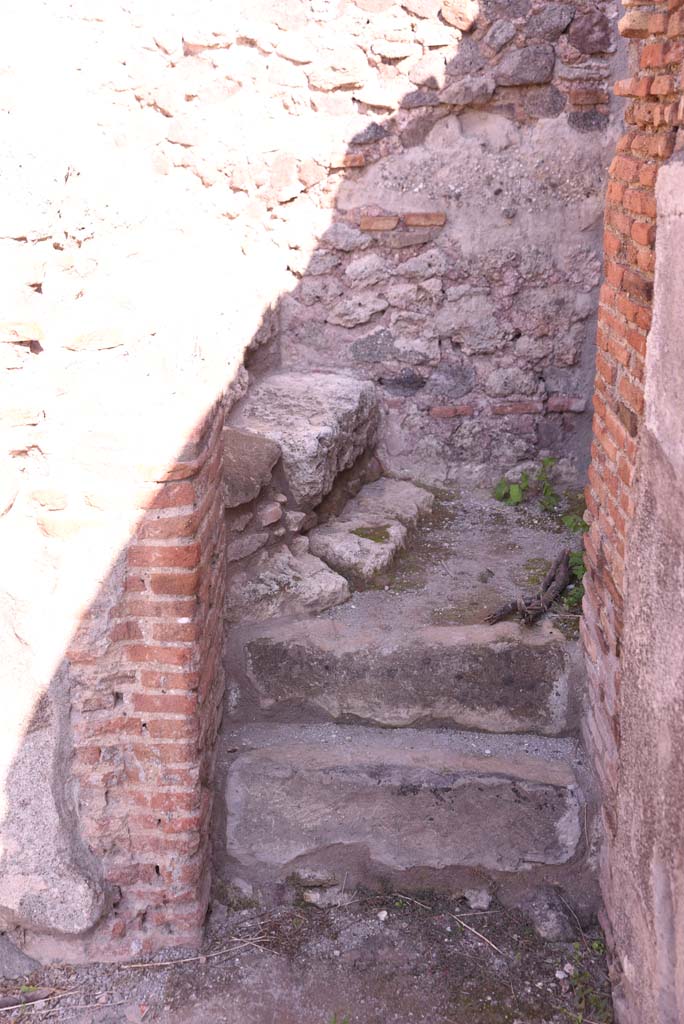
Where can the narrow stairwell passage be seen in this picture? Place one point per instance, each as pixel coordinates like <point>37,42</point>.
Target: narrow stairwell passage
<point>376,733</point>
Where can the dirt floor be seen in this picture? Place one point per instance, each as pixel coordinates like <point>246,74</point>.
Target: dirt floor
<point>376,960</point>
<point>470,556</point>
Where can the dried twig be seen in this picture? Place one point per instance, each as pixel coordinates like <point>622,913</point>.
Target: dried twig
<point>530,608</point>
<point>479,935</point>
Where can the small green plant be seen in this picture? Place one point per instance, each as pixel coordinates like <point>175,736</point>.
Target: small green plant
<point>549,498</point>
<point>574,523</point>
<point>590,991</point>
<point>576,506</point>
<point>572,599</point>
<point>339,1020</point>
<point>512,493</point>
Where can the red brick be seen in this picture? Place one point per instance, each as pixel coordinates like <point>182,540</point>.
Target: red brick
<point>180,801</point>
<point>663,85</point>
<point>638,285</point>
<point>125,631</point>
<point>643,233</point>
<point>146,654</point>
<point>633,87</point>
<point>605,369</point>
<point>447,412</point>
<point>169,680</point>
<point>175,632</point>
<point>166,753</point>
<point>172,556</point>
<point>619,351</point>
<point>169,527</point>
<point>640,202</point>
<point>379,223</point>
<point>614,273</point>
<point>155,608</point>
<point>632,393</point>
<point>612,243</point>
<point>564,403</point>
<point>165,703</point>
<point>171,495</point>
<point>175,584</point>
<point>517,408</point>
<point>172,728</point>
<point>424,220</point>
<point>653,55</point>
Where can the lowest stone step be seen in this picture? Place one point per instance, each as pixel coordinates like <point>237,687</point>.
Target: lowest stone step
<point>503,678</point>
<point>406,807</point>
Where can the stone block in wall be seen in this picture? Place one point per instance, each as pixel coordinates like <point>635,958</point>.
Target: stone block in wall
<point>462,14</point>
<point>530,65</point>
<point>248,464</point>
<point>550,22</point>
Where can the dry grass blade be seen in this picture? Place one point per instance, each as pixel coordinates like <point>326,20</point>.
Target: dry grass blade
<point>28,1003</point>
<point>409,899</point>
<point>484,938</point>
<point>577,920</point>
<point>238,943</point>
<point>79,1006</point>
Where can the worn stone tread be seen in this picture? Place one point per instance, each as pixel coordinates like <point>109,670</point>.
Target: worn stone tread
<point>504,678</point>
<point>410,800</point>
<point>365,539</point>
<point>398,499</point>
<point>358,545</point>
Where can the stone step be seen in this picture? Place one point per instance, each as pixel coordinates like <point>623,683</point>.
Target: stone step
<point>503,678</point>
<point>323,423</point>
<point>396,499</point>
<point>372,529</point>
<point>282,580</point>
<point>411,806</point>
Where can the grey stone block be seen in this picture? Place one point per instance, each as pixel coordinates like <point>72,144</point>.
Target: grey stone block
<point>43,885</point>
<point>321,421</point>
<point>531,65</point>
<point>399,499</point>
<point>248,461</point>
<point>358,545</point>
<point>281,582</point>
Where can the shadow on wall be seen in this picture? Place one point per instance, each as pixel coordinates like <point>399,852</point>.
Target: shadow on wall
<point>459,273</point>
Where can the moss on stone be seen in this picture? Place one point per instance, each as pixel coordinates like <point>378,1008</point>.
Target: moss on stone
<point>533,572</point>
<point>378,534</point>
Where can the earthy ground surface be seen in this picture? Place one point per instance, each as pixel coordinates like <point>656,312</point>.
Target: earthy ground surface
<point>471,555</point>
<point>376,960</point>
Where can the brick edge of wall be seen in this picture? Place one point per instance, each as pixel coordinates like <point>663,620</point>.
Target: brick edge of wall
<point>145,716</point>
<point>654,112</point>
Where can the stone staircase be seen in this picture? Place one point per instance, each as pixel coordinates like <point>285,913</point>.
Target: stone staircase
<point>376,732</point>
